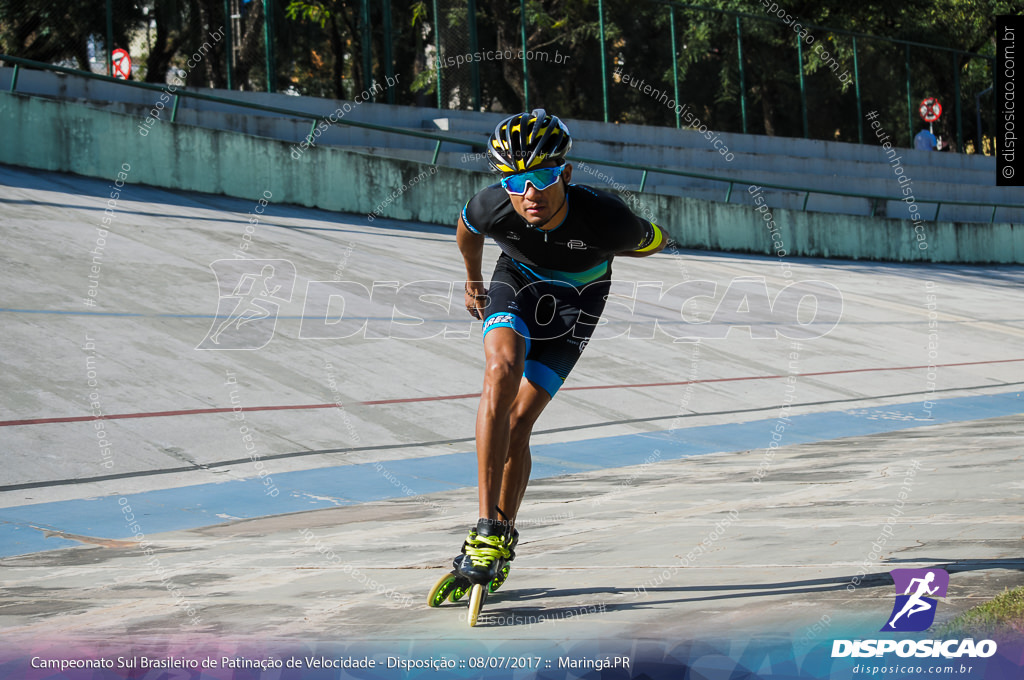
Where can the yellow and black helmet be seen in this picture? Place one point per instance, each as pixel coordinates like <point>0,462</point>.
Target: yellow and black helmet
<point>525,140</point>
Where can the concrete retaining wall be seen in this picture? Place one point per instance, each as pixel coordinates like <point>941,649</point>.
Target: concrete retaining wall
<point>817,164</point>
<point>69,137</point>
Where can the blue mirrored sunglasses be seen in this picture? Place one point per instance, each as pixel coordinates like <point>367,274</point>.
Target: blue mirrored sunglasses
<point>541,179</point>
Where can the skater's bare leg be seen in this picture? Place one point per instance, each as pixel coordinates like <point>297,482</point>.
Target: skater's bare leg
<point>505,352</point>
<point>529,404</point>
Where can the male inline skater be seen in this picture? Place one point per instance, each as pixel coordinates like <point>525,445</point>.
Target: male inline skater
<point>545,298</point>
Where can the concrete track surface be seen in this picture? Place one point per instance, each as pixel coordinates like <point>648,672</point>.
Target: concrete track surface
<point>720,465</point>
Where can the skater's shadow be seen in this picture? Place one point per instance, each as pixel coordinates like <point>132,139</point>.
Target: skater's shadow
<point>507,607</point>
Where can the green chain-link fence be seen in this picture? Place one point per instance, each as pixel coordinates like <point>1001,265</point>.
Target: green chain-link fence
<point>759,70</point>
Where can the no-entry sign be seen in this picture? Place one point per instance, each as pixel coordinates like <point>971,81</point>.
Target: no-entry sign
<point>930,109</point>
<point>122,64</point>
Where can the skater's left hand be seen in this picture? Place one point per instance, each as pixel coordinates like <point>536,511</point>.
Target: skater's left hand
<point>476,299</point>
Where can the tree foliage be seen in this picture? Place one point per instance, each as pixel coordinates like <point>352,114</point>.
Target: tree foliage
<point>58,32</point>
<point>319,46</point>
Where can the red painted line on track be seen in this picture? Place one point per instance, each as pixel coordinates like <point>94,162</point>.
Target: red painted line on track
<point>410,400</point>
<point>799,375</point>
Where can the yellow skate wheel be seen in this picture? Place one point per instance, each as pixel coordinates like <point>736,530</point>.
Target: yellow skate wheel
<point>459,591</point>
<point>439,593</point>
<point>476,602</point>
<point>498,580</point>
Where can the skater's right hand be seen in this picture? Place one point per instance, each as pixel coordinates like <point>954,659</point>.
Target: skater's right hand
<point>476,299</point>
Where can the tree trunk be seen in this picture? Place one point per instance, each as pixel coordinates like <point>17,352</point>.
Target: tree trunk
<point>338,67</point>
<point>159,59</point>
<point>249,45</point>
<point>767,111</point>
<point>511,69</point>
<point>356,41</point>
<point>212,14</point>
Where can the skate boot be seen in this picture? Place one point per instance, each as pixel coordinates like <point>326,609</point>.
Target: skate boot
<point>485,561</point>
<point>456,584</point>
<point>487,552</point>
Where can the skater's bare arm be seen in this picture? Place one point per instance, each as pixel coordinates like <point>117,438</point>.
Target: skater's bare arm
<point>472,248</point>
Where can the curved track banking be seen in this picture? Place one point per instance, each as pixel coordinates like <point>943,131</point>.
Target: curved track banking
<point>804,446</point>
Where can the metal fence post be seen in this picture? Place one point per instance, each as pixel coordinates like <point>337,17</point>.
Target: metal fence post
<point>268,38</point>
<point>109,47</point>
<point>743,78</point>
<point>910,106</point>
<point>956,89</point>
<point>856,86</point>
<point>437,49</point>
<point>977,111</point>
<point>803,91</point>
<point>522,26</point>
<point>228,49</point>
<point>995,105</point>
<point>604,68</point>
<point>675,61</point>
<point>389,65</point>
<point>367,40</point>
<point>474,47</point>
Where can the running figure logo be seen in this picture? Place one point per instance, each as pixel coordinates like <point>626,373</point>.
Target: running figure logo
<point>913,611</point>
<point>251,293</point>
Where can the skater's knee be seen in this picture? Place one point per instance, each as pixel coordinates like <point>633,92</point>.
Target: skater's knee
<point>502,374</point>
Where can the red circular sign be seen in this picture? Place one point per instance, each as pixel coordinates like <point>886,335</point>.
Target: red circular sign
<point>122,64</point>
<point>930,109</point>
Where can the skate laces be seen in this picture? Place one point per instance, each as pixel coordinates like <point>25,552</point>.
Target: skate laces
<point>483,550</point>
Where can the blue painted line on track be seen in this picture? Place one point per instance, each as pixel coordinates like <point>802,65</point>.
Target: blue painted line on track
<point>216,503</point>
